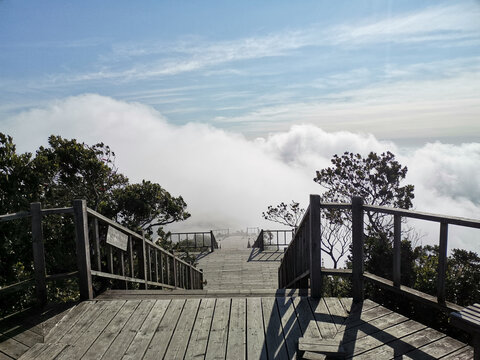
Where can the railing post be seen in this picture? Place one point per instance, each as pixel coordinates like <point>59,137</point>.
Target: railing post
<point>261,242</point>
<point>357,248</point>
<point>315,248</point>
<point>397,246</point>
<point>83,249</point>
<point>144,259</point>
<point>38,253</point>
<point>211,241</point>
<point>442,263</point>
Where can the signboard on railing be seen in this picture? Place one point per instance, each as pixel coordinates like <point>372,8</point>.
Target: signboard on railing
<point>117,238</point>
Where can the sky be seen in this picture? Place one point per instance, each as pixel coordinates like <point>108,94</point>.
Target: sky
<point>234,105</point>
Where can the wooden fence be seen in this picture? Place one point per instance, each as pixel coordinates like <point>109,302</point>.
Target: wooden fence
<point>140,261</point>
<point>278,238</point>
<point>199,240</point>
<point>301,264</point>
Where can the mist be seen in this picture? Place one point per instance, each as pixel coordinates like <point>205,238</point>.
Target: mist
<point>227,179</point>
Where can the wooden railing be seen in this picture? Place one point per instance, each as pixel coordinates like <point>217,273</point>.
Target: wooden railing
<point>137,261</point>
<point>278,238</point>
<point>199,240</point>
<point>301,261</point>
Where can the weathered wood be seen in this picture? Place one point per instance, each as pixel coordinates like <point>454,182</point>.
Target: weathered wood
<point>144,336</point>
<point>425,216</point>
<point>315,250</point>
<point>291,327</point>
<point>217,342</point>
<point>63,210</point>
<point>236,346</point>
<point>411,293</point>
<point>129,331</point>
<point>397,246</point>
<point>144,261</point>
<point>330,347</point>
<point>442,263</point>
<point>437,349</point>
<point>106,337</point>
<point>256,348</point>
<point>65,324</point>
<point>179,341</point>
<point>83,249</point>
<point>276,347</point>
<point>18,215</point>
<point>306,318</point>
<point>337,312</point>
<point>164,331</point>
<point>197,346</point>
<point>324,321</point>
<point>38,253</point>
<point>85,340</point>
<point>357,248</point>
<point>96,236</point>
<point>126,278</point>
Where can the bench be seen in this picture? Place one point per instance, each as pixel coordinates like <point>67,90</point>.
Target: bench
<point>468,320</point>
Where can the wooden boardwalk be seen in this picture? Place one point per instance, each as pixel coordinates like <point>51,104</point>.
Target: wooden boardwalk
<point>239,315</point>
<point>241,268</point>
<point>237,328</point>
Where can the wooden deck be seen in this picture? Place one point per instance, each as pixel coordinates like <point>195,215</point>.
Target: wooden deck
<point>237,328</point>
<point>239,315</point>
<point>240,269</point>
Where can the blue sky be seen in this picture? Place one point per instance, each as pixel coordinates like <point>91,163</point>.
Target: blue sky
<point>405,70</point>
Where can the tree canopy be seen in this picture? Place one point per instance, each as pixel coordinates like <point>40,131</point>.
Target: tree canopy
<point>58,173</point>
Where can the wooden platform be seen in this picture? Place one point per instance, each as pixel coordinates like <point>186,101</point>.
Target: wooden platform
<point>237,328</point>
<point>241,269</point>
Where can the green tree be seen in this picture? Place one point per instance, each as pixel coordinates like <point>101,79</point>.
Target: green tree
<point>378,180</point>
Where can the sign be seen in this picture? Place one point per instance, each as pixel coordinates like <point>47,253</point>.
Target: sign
<point>117,238</point>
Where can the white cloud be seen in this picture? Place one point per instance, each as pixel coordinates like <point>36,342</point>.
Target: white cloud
<point>228,180</point>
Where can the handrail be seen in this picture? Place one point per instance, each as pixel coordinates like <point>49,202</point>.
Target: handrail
<point>193,243</point>
<point>260,241</point>
<point>148,263</point>
<point>293,274</point>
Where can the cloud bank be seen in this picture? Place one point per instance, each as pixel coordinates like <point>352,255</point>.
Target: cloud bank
<point>228,180</point>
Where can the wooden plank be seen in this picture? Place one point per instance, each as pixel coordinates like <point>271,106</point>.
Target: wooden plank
<point>12,347</point>
<point>236,347</point>
<point>181,336</point>
<point>82,343</point>
<point>444,346</point>
<point>163,334</point>
<point>217,342</point>
<point>380,337</point>
<point>273,330</point>
<point>128,332</point>
<point>403,345</point>
<point>325,346</point>
<point>24,335</point>
<point>199,338</point>
<point>337,311</point>
<point>366,328</point>
<point>306,319</point>
<point>256,347</point>
<point>425,216</point>
<point>69,320</point>
<point>324,320</point>
<point>31,353</point>
<point>465,353</point>
<point>82,325</point>
<point>291,327</point>
<point>106,337</point>
<point>51,351</point>
<point>143,337</point>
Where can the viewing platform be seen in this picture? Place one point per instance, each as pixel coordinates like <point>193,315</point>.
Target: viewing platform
<point>239,310</point>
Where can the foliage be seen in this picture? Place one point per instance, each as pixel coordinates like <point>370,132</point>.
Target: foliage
<point>57,174</point>
<point>284,214</point>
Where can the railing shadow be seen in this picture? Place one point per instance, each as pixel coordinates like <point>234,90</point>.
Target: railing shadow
<point>32,325</point>
<point>257,255</point>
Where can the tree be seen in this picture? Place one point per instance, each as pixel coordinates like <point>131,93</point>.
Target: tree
<point>377,179</point>
<point>62,171</point>
<point>284,214</point>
